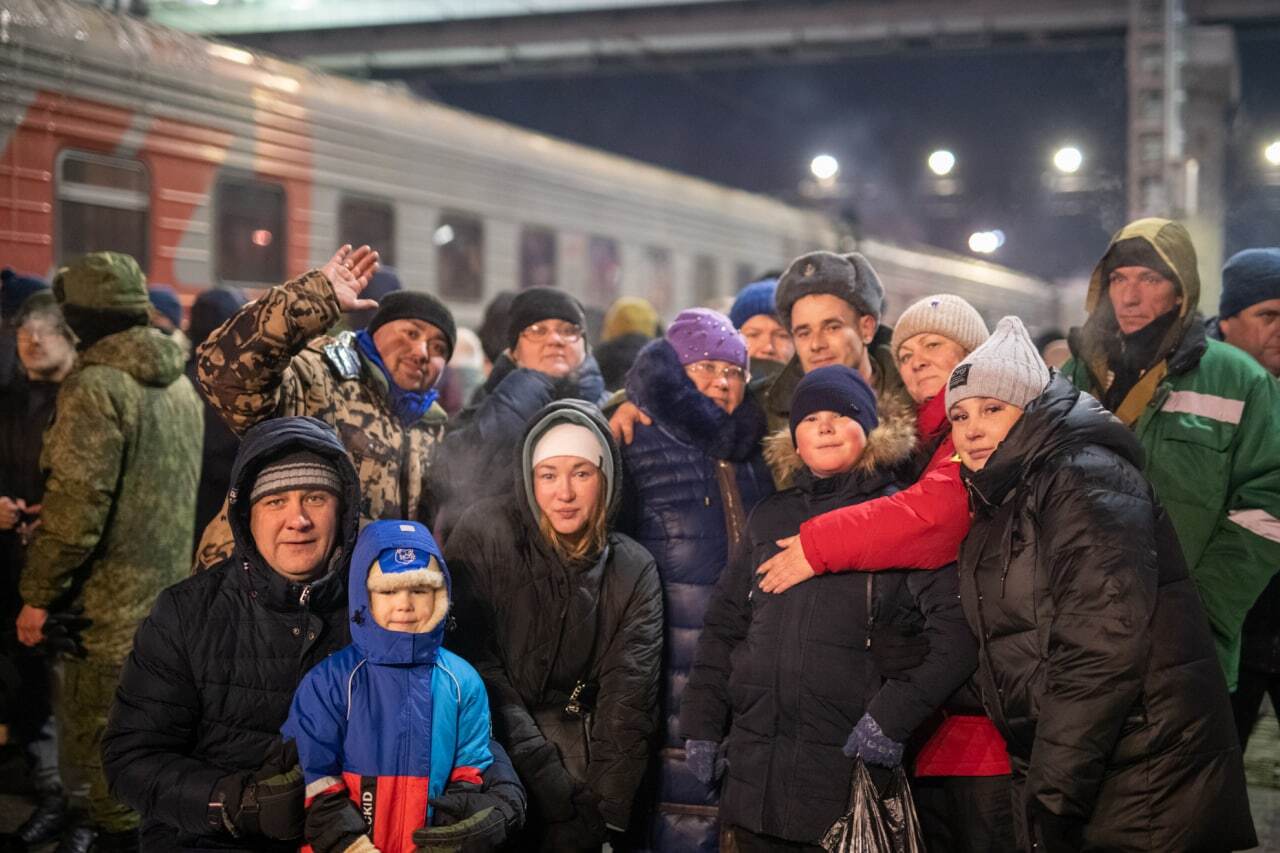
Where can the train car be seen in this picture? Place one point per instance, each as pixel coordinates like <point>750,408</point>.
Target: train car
<point>215,165</point>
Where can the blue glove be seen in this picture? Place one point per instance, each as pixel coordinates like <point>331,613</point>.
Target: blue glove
<point>872,745</point>
<point>705,760</point>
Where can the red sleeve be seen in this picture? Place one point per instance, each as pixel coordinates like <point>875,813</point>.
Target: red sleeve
<point>920,527</point>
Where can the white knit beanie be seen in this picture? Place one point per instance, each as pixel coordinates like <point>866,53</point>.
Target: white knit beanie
<point>942,314</point>
<point>1006,367</point>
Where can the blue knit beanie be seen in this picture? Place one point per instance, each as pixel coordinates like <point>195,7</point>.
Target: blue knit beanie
<point>755,298</point>
<point>1249,277</point>
<point>165,300</point>
<point>834,389</point>
<point>14,290</point>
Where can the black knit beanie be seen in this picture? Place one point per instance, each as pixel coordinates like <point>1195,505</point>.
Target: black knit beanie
<point>542,303</point>
<point>1137,252</point>
<point>416,305</point>
<point>834,388</point>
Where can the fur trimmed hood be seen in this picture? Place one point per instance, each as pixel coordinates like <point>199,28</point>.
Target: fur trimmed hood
<point>889,444</point>
<point>658,384</point>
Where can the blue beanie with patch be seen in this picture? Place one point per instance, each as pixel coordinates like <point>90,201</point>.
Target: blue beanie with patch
<point>1249,277</point>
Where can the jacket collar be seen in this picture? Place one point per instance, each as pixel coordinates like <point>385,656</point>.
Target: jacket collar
<point>658,384</point>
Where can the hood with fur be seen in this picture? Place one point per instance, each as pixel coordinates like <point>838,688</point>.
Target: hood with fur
<point>889,444</point>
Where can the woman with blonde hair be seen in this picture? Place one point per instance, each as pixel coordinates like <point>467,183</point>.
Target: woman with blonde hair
<point>562,617</point>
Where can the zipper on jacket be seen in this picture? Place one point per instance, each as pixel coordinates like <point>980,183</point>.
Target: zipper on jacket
<point>305,596</point>
<point>870,616</point>
<point>404,474</point>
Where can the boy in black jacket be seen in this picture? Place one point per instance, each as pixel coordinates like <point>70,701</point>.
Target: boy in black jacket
<point>792,678</point>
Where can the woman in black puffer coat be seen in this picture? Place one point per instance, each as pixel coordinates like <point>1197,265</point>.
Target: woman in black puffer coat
<point>542,610</point>
<point>1096,661</point>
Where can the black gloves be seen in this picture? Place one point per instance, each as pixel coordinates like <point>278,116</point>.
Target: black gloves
<point>585,829</point>
<point>470,820</point>
<point>267,802</point>
<point>896,652</point>
<point>62,633</point>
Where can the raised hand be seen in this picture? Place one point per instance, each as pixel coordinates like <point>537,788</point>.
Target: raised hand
<point>349,272</point>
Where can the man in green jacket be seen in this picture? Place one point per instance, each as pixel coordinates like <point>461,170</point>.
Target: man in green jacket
<point>1204,411</point>
<point>123,460</point>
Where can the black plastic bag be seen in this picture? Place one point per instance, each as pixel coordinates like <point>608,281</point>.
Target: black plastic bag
<point>877,822</point>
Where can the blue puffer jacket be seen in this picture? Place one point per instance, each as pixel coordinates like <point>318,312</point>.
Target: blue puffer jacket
<point>679,475</point>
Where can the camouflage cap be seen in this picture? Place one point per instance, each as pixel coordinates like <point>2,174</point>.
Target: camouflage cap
<point>103,281</point>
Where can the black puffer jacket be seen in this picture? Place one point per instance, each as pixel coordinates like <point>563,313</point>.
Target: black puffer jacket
<point>529,624</point>
<point>213,668</point>
<point>1096,661</point>
<point>787,676</point>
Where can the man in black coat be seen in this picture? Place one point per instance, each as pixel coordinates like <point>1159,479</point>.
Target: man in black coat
<point>193,739</point>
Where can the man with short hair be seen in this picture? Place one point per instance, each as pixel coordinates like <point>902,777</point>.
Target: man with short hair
<point>193,741</point>
<point>123,461</point>
<point>376,388</point>
<point>1249,308</point>
<point>1205,413</point>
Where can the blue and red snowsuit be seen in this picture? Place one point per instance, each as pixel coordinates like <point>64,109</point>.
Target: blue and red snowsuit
<point>387,723</point>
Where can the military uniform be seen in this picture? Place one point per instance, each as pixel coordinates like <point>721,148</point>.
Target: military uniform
<point>273,359</point>
<point>123,461</point>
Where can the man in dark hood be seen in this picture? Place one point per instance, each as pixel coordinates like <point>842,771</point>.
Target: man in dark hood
<point>193,739</point>
<point>1204,412</point>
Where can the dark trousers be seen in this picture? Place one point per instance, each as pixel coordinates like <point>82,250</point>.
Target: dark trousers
<point>1247,700</point>
<point>966,814</point>
<point>747,841</point>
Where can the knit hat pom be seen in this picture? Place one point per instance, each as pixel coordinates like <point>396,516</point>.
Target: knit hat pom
<point>1007,367</point>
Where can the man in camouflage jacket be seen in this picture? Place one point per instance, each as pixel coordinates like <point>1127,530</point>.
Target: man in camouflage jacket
<point>123,461</point>
<point>274,359</point>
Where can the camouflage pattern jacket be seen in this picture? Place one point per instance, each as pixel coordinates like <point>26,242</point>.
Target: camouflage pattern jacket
<point>273,359</point>
<point>123,461</point>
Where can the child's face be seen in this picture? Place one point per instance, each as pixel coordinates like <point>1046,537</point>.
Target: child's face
<point>408,611</point>
<point>829,443</point>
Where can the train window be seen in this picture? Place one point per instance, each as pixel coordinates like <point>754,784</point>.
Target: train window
<point>537,257</point>
<point>364,221</point>
<point>103,204</point>
<point>604,271</point>
<point>705,286</point>
<point>459,239</point>
<point>661,279</point>
<point>250,237</point>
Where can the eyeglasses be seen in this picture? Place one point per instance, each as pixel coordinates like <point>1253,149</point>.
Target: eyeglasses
<point>570,332</point>
<point>709,370</point>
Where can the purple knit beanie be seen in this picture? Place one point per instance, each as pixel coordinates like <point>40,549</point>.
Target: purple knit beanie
<point>700,334</point>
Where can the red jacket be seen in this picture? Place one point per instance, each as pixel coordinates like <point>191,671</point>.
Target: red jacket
<point>920,527</point>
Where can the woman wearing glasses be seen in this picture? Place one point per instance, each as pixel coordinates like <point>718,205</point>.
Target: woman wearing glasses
<point>546,359</point>
<point>691,479</point>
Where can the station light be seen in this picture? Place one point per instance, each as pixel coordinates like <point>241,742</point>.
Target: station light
<point>986,242</point>
<point>941,162</point>
<point>824,167</point>
<point>1068,159</point>
<point>1272,153</point>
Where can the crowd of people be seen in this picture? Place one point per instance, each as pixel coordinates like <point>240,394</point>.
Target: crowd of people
<point>323,570</point>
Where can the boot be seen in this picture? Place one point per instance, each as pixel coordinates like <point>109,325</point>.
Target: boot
<point>80,837</point>
<point>117,842</point>
<point>45,824</point>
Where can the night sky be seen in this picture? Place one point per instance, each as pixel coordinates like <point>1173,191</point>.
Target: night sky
<point>1002,113</point>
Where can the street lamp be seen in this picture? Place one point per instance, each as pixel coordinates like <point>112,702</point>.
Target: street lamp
<point>824,167</point>
<point>1272,153</point>
<point>986,242</point>
<point>1068,159</point>
<point>941,162</point>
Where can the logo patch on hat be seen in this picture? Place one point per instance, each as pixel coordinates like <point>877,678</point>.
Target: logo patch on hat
<point>404,556</point>
<point>809,269</point>
<point>960,376</point>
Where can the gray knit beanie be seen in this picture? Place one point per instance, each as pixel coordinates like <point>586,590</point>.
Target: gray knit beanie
<point>301,469</point>
<point>942,314</point>
<point>1006,367</point>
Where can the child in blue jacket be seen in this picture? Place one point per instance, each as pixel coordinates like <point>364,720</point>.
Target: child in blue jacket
<point>387,724</point>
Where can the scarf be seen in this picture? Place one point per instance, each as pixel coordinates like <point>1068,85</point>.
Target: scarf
<point>407,406</point>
